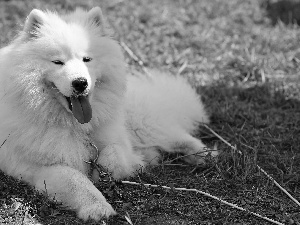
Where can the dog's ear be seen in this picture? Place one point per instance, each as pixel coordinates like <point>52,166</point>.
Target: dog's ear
<point>95,16</point>
<point>34,21</point>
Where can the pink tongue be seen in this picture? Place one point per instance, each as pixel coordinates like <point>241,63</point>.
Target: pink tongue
<point>81,109</point>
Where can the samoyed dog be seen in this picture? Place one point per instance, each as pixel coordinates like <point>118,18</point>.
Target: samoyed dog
<point>64,89</point>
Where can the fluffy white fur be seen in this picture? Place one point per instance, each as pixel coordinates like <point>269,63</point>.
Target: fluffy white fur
<point>162,113</point>
<point>44,143</point>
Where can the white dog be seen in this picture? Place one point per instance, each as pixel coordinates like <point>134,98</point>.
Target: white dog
<point>63,88</point>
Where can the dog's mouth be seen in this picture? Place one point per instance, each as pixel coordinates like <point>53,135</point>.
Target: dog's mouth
<point>80,107</point>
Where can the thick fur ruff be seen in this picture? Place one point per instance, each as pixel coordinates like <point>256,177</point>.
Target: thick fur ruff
<point>63,87</point>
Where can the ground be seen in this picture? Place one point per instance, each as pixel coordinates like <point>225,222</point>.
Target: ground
<point>245,63</point>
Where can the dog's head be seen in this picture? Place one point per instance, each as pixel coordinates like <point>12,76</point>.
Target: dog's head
<point>77,61</point>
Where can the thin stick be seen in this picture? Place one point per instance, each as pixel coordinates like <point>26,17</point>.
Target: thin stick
<point>278,185</point>
<point>207,195</point>
<point>222,139</point>
<point>263,171</point>
<point>182,68</point>
<point>135,58</point>
<point>195,154</point>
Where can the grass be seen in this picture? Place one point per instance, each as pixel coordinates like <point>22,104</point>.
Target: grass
<point>245,65</point>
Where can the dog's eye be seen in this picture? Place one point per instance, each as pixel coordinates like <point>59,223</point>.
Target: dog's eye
<point>86,59</point>
<point>58,62</point>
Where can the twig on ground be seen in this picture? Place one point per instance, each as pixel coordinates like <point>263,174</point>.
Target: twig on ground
<point>199,154</point>
<point>205,194</point>
<point>278,185</point>
<point>175,164</point>
<point>182,68</point>
<point>135,58</point>
<point>222,139</point>
<point>128,219</point>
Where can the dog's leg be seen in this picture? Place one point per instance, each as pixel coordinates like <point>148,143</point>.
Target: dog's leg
<point>73,189</point>
<point>115,159</point>
<point>117,154</point>
<point>151,155</point>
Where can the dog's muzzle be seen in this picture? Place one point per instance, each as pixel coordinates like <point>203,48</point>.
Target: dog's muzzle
<point>79,102</point>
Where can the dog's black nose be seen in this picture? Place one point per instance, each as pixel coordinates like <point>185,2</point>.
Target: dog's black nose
<point>80,84</point>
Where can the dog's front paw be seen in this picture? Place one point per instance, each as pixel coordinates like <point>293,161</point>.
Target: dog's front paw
<point>96,211</point>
